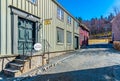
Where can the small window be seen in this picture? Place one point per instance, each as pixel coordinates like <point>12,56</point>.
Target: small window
<point>60,35</point>
<point>33,1</point>
<point>60,13</point>
<point>69,37</point>
<point>76,24</point>
<point>68,19</point>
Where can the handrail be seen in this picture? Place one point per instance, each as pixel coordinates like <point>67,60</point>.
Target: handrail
<point>46,45</point>
<point>26,49</point>
<point>46,48</point>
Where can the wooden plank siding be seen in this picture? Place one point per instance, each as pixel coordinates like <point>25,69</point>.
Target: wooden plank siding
<point>43,9</point>
<point>5,21</point>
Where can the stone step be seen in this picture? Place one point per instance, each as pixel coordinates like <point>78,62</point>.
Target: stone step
<point>15,66</point>
<point>23,57</point>
<point>10,71</point>
<point>21,61</point>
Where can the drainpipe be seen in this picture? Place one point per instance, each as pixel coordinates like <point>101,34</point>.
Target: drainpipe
<point>43,41</point>
<point>73,35</point>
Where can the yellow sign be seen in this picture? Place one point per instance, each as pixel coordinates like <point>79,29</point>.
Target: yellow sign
<point>47,22</point>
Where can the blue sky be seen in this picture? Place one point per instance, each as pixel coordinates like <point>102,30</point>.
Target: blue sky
<point>88,9</point>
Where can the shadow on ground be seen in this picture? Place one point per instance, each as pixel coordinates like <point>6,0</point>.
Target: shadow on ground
<point>100,46</point>
<point>111,73</point>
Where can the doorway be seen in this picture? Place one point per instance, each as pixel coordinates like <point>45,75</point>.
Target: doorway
<point>26,35</point>
<point>76,42</point>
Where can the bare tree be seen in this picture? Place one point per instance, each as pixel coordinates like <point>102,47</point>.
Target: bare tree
<point>116,10</point>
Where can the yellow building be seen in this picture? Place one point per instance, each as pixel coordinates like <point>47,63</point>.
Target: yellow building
<point>26,22</point>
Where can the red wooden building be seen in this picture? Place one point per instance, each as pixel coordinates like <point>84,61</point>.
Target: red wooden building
<point>84,35</point>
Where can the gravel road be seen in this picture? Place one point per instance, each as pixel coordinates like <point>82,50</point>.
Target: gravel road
<point>90,64</point>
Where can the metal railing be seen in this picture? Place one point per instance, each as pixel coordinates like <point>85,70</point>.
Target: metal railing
<point>27,51</point>
<point>46,49</point>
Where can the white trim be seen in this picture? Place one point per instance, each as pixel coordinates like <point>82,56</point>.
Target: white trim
<point>23,14</point>
<point>15,14</point>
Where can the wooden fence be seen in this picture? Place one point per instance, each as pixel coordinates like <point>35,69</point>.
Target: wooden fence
<point>99,41</point>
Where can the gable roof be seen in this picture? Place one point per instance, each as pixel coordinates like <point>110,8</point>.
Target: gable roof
<point>84,27</point>
<point>80,24</point>
<point>115,18</point>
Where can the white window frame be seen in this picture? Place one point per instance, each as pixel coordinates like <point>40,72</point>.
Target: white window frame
<point>69,19</point>
<point>76,25</point>
<point>69,37</point>
<point>60,13</point>
<point>60,35</point>
<point>33,1</point>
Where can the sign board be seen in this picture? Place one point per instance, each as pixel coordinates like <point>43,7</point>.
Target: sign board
<point>37,46</point>
<point>47,22</point>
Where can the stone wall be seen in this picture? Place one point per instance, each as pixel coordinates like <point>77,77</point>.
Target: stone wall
<point>32,62</point>
<point>4,61</point>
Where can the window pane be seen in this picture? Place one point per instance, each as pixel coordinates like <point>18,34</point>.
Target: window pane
<point>60,13</point>
<point>60,35</point>
<point>33,1</point>
<point>76,25</point>
<point>68,19</point>
<point>69,37</point>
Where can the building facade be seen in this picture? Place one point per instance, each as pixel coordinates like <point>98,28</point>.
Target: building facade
<point>18,16</point>
<point>116,28</point>
<point>15,19</point>
<point>26,22</point>
<point>84,35</point>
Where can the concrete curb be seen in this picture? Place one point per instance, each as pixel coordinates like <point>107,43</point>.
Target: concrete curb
<point>55,63</point>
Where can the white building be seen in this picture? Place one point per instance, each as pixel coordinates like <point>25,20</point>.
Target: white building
<point>26,22</point>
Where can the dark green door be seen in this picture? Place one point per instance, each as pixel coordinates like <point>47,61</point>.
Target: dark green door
<point>26,36</point>
<point>76,42</point>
